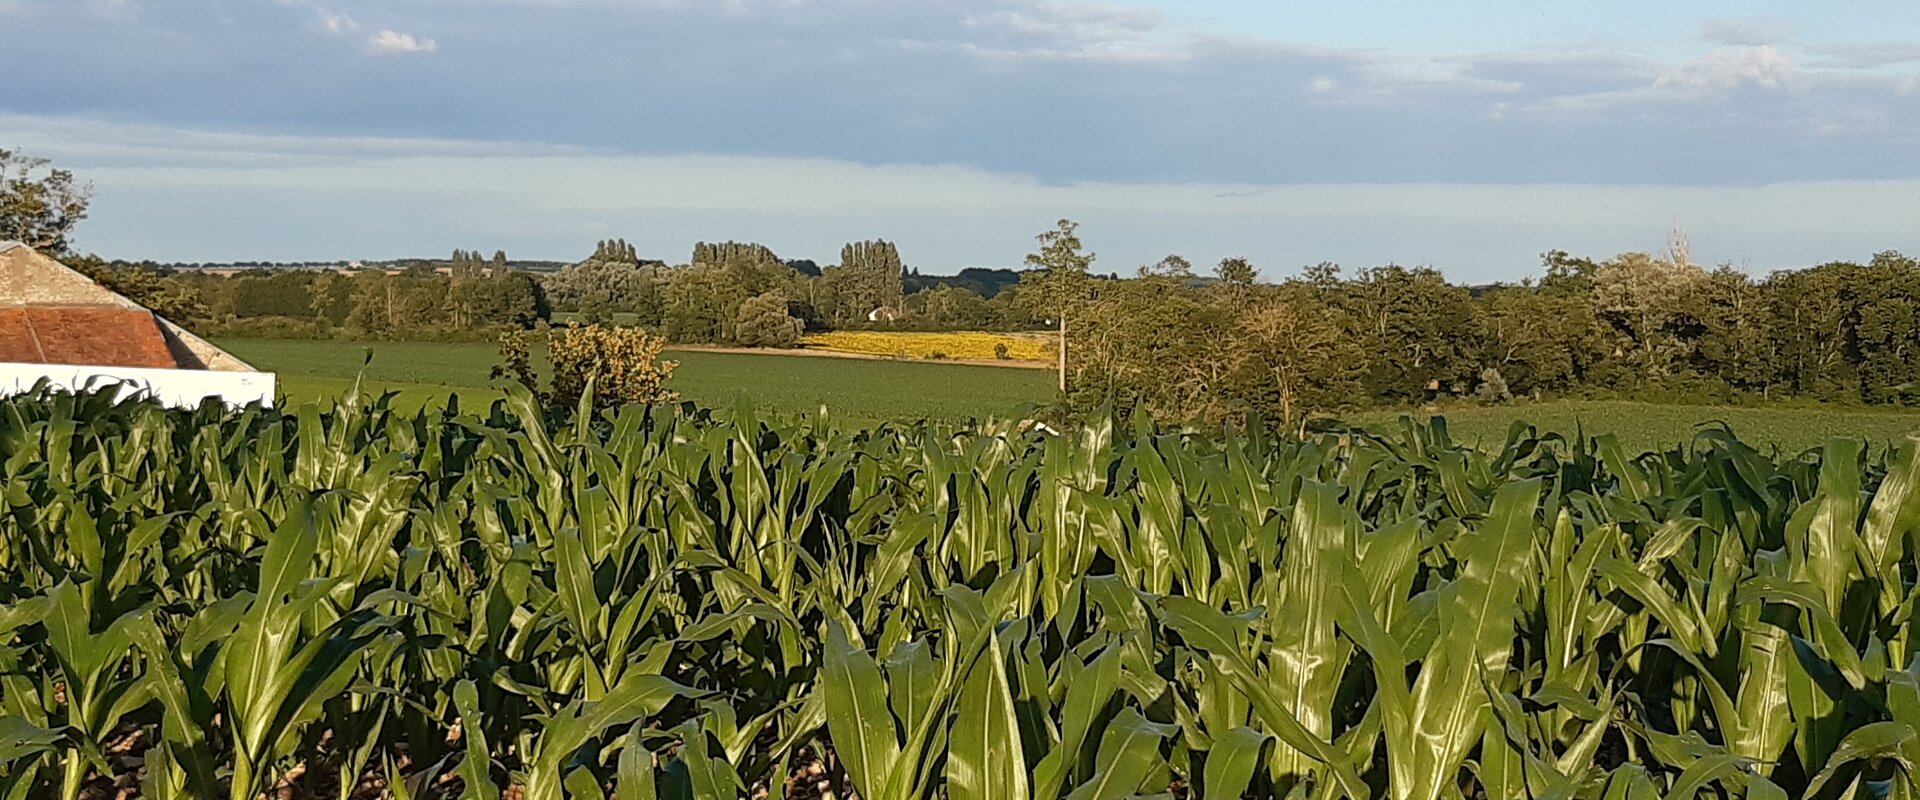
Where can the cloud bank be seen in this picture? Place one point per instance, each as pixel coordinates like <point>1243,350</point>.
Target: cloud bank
<point>292,103</point>
<point>220,196</point>
<point>1063,91</point>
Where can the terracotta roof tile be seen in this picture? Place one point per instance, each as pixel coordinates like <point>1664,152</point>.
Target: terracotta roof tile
<point>90,335</point>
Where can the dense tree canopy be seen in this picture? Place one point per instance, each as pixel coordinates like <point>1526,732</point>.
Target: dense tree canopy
<point>1636,325</point>
<point>867,279</point>
<point>1175,343</point>
<point>764,321</point>
<point>611,281</point>
<point>474,299</point>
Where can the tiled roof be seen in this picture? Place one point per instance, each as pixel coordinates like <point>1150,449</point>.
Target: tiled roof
<point>89,335</point>
<point>50,314</point>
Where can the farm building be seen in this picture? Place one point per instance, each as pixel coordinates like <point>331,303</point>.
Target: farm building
<point>59,325</point>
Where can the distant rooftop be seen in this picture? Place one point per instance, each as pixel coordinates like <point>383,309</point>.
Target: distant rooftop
<point>95,335</point>
<point>50,314</point>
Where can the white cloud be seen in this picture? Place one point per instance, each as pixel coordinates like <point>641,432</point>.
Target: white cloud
<point>1002,31</point>
<point>1083,22</point>
<point>391,41</point>
<point>338,21</point>
<point>1732,68</point>
<point>1387,77</point>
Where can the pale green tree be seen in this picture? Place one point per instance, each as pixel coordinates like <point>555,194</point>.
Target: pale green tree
<point>39,204</point>
<point>1057,280</point>
<point>1654,305</point>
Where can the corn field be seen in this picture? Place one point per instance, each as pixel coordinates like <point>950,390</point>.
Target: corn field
<point>668,602</point>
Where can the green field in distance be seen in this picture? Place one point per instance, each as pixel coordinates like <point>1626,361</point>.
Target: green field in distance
<point>868,391</point>
<point>855,390</point>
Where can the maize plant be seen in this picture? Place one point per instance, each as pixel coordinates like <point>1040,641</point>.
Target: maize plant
<point>350,601</point>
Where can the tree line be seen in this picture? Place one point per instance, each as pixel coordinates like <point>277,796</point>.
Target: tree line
<point>474,298</point>
<point>1176,343</point>
<point>1638,325</point>
<point>730,293</point>
<point>745,294</point>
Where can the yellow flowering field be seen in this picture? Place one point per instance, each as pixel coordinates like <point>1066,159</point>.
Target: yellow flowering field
<point>909,344</point>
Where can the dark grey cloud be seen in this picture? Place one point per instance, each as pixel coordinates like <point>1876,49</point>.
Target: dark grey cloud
<point>1065,92</point>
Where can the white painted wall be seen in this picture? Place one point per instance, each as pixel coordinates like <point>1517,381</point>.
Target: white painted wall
<point>181,388</point>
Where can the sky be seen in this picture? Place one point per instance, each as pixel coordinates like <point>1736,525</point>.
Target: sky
<point>1470,136</point>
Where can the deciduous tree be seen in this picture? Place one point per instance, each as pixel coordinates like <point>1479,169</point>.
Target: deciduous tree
<point>765,322</point>
<point>1057,280</point>
<point>1653,305</point>
<point>1293,358</point>
<point>39,203</point>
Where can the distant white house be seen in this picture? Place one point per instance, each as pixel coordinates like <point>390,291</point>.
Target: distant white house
<point>59,326</point>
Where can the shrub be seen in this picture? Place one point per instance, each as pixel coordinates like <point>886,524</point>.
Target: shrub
<point>1493,387</point>
<point>620,365</point>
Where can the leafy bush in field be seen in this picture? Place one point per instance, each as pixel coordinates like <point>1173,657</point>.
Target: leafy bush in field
<point>618,365</point>
<point>1493,387</point>
<point>656,601</point>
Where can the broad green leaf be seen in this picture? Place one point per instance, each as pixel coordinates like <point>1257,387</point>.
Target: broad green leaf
<point>863,731</point>
<point>1129,752</point>
<point>1231,763</point>
<point>984,759</point>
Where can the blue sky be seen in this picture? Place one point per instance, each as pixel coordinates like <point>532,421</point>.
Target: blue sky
<point>1672,28</point>
<point>1470,136</point>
